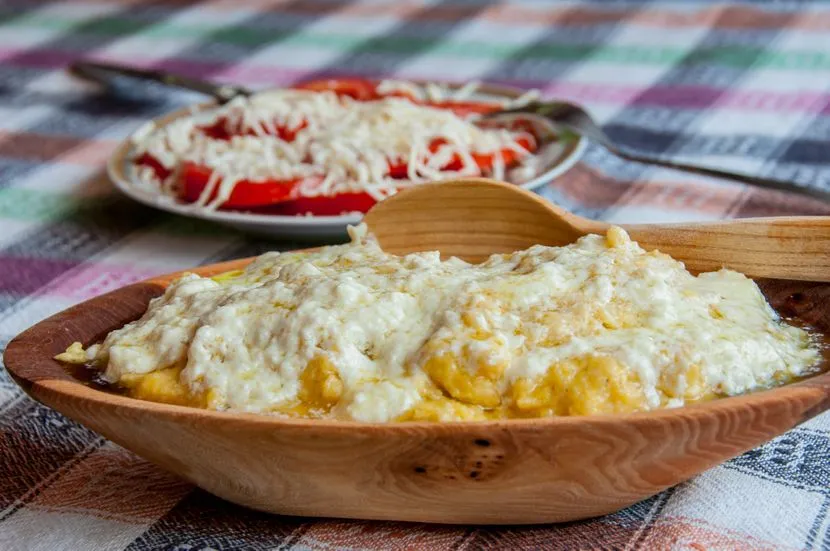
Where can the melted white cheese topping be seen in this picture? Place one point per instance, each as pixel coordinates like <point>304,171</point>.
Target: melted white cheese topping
<point>342,145</point>
<point>378,318</point>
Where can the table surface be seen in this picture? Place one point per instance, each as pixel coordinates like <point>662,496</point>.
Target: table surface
<point>745,86</point>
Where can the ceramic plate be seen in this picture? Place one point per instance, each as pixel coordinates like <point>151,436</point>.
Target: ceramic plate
<point>555,160</point>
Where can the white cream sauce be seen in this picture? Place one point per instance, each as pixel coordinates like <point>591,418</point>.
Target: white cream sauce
<point>378,318</point>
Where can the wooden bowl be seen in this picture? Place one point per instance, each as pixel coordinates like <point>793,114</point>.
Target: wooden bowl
<point>495,472</point>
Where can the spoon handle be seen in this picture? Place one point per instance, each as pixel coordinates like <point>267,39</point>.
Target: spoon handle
<point>109,75</point>
<point>575,119</point>
<point>790,247</point>
<point>769,183</point>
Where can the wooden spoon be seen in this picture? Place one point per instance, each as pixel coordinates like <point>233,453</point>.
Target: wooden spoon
<point>475,217</point>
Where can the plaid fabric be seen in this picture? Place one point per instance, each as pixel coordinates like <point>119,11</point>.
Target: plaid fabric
<point>743,86</point>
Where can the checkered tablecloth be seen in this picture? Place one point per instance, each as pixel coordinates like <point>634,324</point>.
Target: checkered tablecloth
<point>743,86</point>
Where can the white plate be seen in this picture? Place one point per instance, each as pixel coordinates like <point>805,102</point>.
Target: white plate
<point>557,160</point>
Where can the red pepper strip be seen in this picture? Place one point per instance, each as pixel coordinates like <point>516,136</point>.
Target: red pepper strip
<point>509,157</point>
<point>145,159</point>
<point>399,169</point>
<point>483,160</point>
<point>463,108</point>
<point>219,131</point>
<point>401,94</point>
<point>245,194</point>
<point>273,197</point>
<point>359,89</point>
<point>289,134</point>
<point>367,90</point>
<point>359,201</point>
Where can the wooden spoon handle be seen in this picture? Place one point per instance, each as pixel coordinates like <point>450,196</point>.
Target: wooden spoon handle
<point>475,217</point>
<point>796,247</point>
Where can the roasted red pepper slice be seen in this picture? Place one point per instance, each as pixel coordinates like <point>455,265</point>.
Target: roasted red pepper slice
<point>509,156</point>
<point>355,88</point>
<point>275,197</point>
<point>463,108</point>
<point>366,90</point>
<point>483,160</point>
<point>290,134</point>
<point>245,194</point>
<point>145,159</point>
<point>358,201</point>
<point>219,131</point>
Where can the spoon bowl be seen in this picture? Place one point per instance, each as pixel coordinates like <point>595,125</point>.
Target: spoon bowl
<point>471,219</point>
<point>515,471</point>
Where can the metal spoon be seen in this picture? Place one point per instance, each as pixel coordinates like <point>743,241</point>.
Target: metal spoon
<point>576,120</point>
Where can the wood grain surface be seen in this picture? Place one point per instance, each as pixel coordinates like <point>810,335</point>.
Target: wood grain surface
<point>499,217</point>
<point>495,472</point>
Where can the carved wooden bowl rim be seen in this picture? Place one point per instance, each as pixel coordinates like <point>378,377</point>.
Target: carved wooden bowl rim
<point>29,358</point>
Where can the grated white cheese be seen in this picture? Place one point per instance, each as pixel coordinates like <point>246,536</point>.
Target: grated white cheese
<point>341,145</point>
<point>380,319</point>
